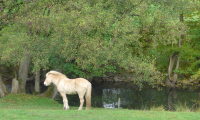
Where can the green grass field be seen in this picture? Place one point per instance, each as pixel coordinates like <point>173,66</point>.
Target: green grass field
<point>29,107</point>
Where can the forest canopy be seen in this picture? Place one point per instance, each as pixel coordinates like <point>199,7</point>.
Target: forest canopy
<point>150,39</point>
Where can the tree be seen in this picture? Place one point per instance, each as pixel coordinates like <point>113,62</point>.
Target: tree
<point>37,82</point>
<point>3,89</point>
<point>23,72</point>
<point>170,29</point>
<point>93,37</point>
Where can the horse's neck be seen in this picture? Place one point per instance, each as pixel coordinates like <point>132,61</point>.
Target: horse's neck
<point>55,81</point>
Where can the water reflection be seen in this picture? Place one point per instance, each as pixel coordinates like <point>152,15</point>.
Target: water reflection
<point>172,98</point>
<point>132,98</point>
<point>110,96</point>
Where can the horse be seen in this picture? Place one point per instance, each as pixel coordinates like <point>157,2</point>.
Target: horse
<point>65,86</point>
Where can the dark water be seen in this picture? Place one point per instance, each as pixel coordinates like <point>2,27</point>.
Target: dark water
<point>107,96</point>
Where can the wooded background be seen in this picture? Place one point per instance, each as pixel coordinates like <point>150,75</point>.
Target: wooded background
<point>154,40</point>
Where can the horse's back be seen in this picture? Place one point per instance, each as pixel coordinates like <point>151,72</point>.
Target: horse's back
<point>81,82</point>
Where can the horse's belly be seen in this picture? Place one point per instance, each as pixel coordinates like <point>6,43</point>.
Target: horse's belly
<point>71,92</point>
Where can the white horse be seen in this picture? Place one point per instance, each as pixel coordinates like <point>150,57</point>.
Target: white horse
<point>70,86</point>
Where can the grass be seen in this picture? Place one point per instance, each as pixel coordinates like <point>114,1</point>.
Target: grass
<point>29,107</point>
<point>26,101</point>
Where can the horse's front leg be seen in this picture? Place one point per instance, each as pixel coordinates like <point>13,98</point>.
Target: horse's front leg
<point>65,101</point>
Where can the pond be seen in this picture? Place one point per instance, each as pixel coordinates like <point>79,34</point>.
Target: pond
<point>128,95</point>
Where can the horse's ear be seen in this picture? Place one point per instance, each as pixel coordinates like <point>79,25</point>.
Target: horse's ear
<point>47,74</point>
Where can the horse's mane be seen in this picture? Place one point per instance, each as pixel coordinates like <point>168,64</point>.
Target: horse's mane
<point>55,73</point>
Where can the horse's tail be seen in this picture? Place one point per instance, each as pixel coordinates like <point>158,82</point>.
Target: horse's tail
<point>88,96</point>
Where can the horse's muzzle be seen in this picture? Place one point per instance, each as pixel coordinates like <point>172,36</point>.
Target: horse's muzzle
<point>45,83</point>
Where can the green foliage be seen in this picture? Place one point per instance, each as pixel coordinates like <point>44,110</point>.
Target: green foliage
<point>91,38</point>
<point>73,70</point>
<point>191,52</point>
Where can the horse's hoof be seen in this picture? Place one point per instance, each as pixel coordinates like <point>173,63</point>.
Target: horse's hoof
<point>64,108</point>
<point>79,109</point>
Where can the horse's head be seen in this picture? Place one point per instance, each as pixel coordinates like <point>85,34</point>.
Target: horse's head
<point>48,80</point>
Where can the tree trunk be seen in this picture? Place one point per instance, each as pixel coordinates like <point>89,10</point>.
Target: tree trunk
<point>15,83</point>
<point>37,81</point>
<point>2,94</point>
<point>15,86</point>
<point>23,73</point>
<point>171,64</point>
<point>3,89</point>
<point>49,92</point>
<point>175,78</point>
<point>55,92</point>
<point>173,58</point>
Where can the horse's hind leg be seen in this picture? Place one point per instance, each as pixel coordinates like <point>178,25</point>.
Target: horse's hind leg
<point>81,100</point>
<point>65,101</point>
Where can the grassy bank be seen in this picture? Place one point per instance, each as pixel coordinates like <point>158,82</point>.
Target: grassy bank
<point>95,114</point>
<point>28,107</point>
